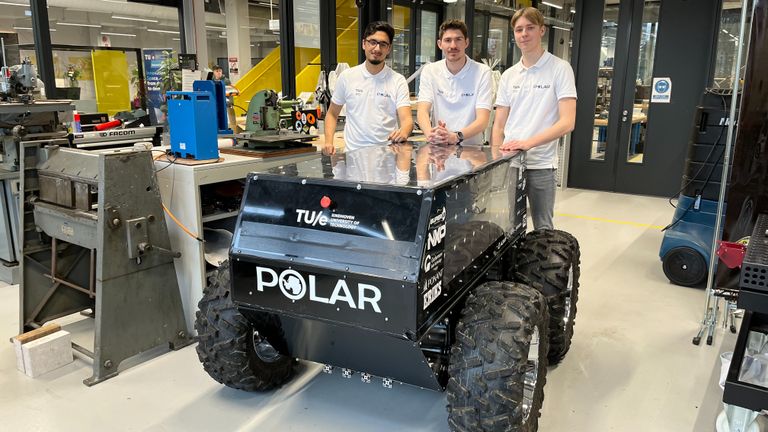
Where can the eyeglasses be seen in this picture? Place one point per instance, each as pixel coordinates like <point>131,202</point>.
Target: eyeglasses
<point>373,43</point>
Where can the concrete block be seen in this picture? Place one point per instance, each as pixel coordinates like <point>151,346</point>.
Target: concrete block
<point>47,353</point>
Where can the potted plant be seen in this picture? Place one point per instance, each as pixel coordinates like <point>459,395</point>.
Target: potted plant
<point>170,73</point>
<point>140,86</point>
<point>170,79</point>
<point>72,75</point>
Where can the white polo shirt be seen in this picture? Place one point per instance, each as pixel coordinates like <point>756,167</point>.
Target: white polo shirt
<point>455,98</point>
<point>532,95</point>
<point>372,102</point>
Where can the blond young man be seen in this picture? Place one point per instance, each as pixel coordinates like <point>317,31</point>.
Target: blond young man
<point>535,106</point>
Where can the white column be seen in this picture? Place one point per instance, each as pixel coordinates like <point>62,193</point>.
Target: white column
<point>238,36</point>
<point>194,30</point>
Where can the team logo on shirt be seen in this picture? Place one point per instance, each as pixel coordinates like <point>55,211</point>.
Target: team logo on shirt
<point>358,91</point>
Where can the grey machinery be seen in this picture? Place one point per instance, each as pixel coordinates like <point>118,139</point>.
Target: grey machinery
<point>22,121</point>
<point>102,244</point>
<point>29,125</point>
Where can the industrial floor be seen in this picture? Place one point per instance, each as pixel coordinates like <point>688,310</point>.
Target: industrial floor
<point>632,366</point>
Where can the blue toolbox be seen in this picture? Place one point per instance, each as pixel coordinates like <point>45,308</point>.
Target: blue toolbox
<point>219,92</point>
<point>193,129</point>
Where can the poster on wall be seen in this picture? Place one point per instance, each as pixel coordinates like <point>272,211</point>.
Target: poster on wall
<point>234,69</point>
<point>661,91</point>
<point>160,75</point>
<point>189,71</point>
<point>105,41</point>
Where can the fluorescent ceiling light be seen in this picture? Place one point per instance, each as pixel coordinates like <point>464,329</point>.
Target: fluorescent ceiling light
<point>163,31</point>
<point>13,4</point>
<point>215,27</point>
<point>22,28</point>
<point>556,6</point>
<point>118,34</point>
<point>78,24</point>
<point>176,39</point>
<point>134,18</point>
<point>561,28</point>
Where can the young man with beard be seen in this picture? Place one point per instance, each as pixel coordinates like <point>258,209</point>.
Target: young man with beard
<point>456,91</point>
<point>535,106</point>
<point>376,97</point>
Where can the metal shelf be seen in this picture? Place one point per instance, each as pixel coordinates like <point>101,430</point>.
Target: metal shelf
<point>219,216</point>
<point>753,297</point>
<point>736,392</point>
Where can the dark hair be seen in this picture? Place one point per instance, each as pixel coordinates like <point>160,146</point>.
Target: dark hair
<point>381,26</point>
<point>453,24</point>
<point>217,67</point>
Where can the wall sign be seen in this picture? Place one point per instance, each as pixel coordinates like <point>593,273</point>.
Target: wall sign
<point>662,90</point>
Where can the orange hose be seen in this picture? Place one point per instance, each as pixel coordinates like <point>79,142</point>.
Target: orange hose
<point>181,225</point>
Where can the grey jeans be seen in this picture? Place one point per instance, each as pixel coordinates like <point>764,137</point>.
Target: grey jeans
<point>541,196</point>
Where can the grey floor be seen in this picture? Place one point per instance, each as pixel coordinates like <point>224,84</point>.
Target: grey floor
<point>631,367</point>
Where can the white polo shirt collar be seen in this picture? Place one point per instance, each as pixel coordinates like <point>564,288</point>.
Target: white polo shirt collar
<point>462,73</point>
<point>382,73</point>
<point>539,64</point>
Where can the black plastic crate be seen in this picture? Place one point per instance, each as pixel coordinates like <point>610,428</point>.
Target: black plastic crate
<point>754,270</point>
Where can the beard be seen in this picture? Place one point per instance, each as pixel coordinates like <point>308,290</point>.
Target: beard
<point>375,62</point>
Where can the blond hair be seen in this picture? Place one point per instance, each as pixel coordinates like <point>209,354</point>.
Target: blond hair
<point>531,14</point>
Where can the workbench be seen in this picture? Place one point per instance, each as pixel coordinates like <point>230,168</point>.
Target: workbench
<point>180,188</point>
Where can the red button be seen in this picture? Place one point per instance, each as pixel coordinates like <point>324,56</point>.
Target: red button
<point>325,202</point>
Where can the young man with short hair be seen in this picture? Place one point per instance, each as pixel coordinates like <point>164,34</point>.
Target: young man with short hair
<point>457,91</point>
<point>535,106</point>
<point>218,75</point>
<point>376,97</point>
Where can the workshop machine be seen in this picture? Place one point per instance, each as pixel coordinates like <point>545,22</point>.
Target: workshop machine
<point>24,124</point>
<point>98,241</point>
<point>17,83</point>
<point>401,264</point>
<point>269,123</point>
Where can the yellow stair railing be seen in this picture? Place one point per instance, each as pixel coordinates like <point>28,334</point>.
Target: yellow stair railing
<point>266,74</point>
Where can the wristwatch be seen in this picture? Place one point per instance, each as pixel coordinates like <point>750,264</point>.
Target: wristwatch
<point>461,137</point>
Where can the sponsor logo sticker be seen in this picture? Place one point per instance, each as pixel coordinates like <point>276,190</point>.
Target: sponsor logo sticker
<point>297,286</point>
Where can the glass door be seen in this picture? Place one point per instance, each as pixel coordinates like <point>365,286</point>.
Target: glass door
<point>426,34</point>
<point>415,42</point>
<point>401,45</point>
<point>623,72</point>
<point>493,42</point>
<point>498,42</point>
